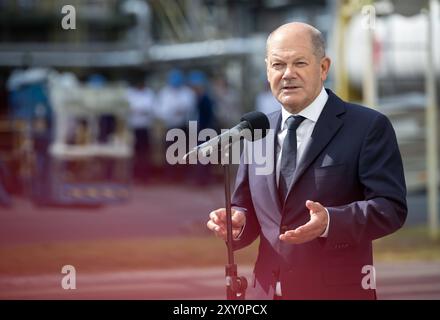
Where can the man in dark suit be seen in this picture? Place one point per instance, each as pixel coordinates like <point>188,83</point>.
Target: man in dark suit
<point>338,183</point>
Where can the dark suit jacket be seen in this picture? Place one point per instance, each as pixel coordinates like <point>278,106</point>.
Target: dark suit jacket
<point>352,167</point>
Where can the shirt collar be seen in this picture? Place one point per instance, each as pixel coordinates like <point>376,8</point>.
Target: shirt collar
<point>311,112</point>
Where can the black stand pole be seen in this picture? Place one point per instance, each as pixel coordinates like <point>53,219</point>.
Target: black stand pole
<point>235,285</point>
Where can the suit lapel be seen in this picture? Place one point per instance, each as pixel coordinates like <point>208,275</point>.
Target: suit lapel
<point>326,127</point>
<point>275,122</point>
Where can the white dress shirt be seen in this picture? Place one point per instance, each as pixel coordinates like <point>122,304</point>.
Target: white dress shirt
<point>303,135</point>
<point>305,129</point>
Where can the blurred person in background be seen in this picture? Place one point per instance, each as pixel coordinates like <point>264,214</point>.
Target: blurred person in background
<point>206,118</point>
<point>142,101</point>
<point>205,107</point>
<point>96,80</point>
<point>265,101</point>
<point>176,105</point>
<point>42,134</point>
<point>228,107</point>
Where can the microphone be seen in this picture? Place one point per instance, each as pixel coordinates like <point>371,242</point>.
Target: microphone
<point>252,121</point>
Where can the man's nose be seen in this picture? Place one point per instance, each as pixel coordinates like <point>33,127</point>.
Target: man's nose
<point>289,73</point>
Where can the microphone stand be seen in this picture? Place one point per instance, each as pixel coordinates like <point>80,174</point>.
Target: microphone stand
<point>235,285</point>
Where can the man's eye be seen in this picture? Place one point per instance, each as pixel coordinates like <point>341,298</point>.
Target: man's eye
<point>301,64</point>
<point>277,65</point>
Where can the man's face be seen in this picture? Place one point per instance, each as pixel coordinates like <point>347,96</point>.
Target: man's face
<point>294,72</point>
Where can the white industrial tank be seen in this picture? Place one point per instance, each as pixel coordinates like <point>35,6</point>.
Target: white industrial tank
<point>399,48</point>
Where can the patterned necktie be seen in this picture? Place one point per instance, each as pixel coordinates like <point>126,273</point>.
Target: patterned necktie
<point>288,156</point>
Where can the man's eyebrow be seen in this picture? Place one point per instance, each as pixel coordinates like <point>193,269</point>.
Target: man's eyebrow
<point>277,57</point>
<point>274,56</point>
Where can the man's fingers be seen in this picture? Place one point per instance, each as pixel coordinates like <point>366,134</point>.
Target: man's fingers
<point>310,230</point>
<point>291,233</point>
<point>304,233</point>
<point>217,222</point>
<point>220,229</point>
<point>218,215</point>
<point>238,219</point>
<point>235,232</point>
<point>212,226</point>
<point>314,206</point>
<point>295,237</point>
<point>290,238</point>
<point>310,226</point>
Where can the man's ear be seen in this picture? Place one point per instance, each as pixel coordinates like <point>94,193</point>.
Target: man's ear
<point>325,67</point>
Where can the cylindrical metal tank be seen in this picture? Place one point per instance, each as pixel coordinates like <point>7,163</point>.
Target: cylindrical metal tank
<point>399,48</point>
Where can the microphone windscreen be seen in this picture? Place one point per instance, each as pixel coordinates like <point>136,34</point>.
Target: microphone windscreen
<point>256,120</point>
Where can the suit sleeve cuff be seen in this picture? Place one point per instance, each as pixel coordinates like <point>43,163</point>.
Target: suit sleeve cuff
<point>325,234</point>
<point>244,225</point>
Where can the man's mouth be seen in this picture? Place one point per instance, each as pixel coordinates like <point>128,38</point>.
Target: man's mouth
<point>290,87</point>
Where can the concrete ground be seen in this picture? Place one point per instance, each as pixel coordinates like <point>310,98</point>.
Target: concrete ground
<point>403,280</point>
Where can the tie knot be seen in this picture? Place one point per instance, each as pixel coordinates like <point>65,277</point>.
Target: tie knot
<point>293,122</point>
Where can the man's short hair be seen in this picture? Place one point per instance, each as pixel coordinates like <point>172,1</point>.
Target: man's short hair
<point>318,43</point>
<point>316,38</point>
